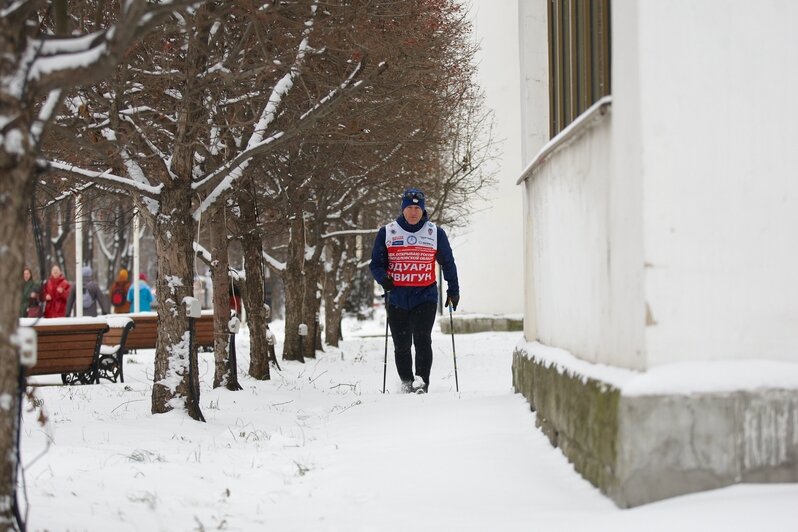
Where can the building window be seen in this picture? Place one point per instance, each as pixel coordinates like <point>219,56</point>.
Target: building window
<point>579,58</point>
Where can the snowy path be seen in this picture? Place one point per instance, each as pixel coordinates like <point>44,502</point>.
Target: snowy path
<point>439,461</point>
<point>320,448</point>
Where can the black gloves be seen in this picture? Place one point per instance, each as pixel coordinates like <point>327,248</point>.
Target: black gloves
<point>387,283</point>
<point>452,301</point>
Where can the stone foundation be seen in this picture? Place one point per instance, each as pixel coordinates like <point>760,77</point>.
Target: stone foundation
<point>642,448</point>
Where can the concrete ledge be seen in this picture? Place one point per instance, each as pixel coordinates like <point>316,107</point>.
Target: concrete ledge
<point>679,444</point>
<point>473,323</point>
<point>642,448</point>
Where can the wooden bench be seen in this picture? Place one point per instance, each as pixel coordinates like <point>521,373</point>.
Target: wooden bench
<point>69,346</point>
<point>203,330</point>
<point>145,333</point>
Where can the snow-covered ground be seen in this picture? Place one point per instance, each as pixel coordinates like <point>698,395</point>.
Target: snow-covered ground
<point>320,448</point>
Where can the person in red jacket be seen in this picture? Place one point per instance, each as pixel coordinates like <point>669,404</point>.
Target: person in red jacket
<point>55,294</point>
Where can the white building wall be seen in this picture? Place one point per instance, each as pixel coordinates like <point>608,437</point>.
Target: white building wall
<point>534,60</point>
<point>718,110</point>
<point>570,257</point>
<point>583,230</point>
<point>665,232</point>
<point>489,250</point>
<point>625,201</point>
<point>693,203</point>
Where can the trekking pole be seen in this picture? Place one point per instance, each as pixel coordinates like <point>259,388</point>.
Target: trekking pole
<point>454,355</point>
<point>385,359</point>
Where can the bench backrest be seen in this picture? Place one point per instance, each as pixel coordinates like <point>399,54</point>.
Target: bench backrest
<point>146,331</point>
<point>67,348</point>
<point>118,332</point>
<point>203,331</point>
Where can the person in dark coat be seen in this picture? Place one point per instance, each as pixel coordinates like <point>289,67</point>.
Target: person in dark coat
<point>55,293</point>
<point>91,296</point>
<point>28,287</point>
<point>403,262</point>
<point>33,307</point>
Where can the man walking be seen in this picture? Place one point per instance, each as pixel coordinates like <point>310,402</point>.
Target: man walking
<point>403,262</point>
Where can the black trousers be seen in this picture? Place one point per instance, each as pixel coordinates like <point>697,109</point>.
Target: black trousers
<point>412,327</point>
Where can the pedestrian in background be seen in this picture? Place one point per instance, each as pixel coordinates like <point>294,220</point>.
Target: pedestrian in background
<point>90,297</point>
<point>118,293</point>
<point>28,287</point>
<point>145,294</point>
<point>55,294</point>
<point>33,307</point>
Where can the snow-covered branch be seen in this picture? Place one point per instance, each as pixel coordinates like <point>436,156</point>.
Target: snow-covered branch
<point>108,177</point>
<point>273,263</point>
<point>350,232</point>
<point>215,184</point>
<point>59,62</point>
<point>79,189</point>
<point>46,114</point>
<point>276,97</point>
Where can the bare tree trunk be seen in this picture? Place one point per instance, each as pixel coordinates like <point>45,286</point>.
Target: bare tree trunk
<point>176,376</point>
<point>310,308</point>
<point>338,284</point>
<point>318,326</point>
<point>361,295</point>
<point>226,373</point>
<point>16,189</point>
<point>174,233</point>
<point>88,235</point>
<point>293,281</point>
<point>61,17</point>
<point>254,296</point>
<point>332,320</point>
<point>64,229</point>
<point>120,248</point>
<point>42,249</point>
<point>275,292</point>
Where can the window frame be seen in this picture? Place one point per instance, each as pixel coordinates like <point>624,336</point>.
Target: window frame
<point>579,58</point>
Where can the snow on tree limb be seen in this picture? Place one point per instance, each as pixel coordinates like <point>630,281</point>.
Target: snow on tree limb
<point>220,180</point>
<point>124,182</point>
<point>202,252</point>
<point>273,263</point>
<point>284,85</point>
<point>46,114</point>
<point>57,62</point>
<point>72,191</point>
<point>350,232</point>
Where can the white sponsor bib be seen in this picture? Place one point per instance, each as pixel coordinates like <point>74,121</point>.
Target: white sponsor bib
<point>411,256</point>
